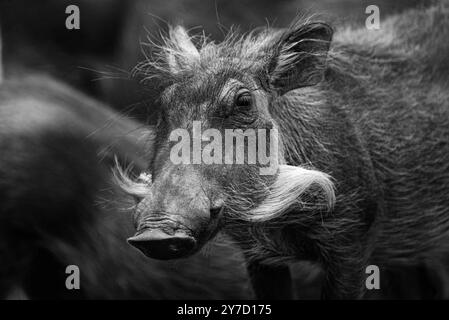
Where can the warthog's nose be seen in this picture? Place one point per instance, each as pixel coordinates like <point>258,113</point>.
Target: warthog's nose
<point>159,245</point>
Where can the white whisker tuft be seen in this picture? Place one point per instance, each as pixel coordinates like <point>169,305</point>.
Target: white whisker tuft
<point>288,192</point>
<point>137,187</point>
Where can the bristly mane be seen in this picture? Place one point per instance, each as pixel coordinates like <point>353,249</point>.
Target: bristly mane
<point>352,51</point>
<point>249,51</point>
<point>415,40</point>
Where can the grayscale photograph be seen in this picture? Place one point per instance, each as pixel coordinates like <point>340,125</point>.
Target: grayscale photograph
<point>224,150</point>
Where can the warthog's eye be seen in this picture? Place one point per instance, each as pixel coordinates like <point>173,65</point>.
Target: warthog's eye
<point>243,99</point>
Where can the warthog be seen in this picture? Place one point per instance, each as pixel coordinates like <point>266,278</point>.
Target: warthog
<point>363,170</point>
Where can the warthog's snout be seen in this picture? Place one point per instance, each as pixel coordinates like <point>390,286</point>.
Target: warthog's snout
<point>160,245</point>
<point>178,214</point>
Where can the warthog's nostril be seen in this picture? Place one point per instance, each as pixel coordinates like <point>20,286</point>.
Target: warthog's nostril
<point>159,245</point>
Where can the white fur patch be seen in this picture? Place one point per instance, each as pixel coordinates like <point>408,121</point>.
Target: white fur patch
<point>292,182</point>
<point>139,188</point>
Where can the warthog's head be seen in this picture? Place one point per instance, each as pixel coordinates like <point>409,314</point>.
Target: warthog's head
<point>215,152</point>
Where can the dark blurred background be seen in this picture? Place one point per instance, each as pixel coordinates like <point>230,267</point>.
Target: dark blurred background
<point>97,57</point>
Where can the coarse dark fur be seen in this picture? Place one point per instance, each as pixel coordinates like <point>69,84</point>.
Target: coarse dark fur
<point>58,206</point>
<point>378,124</point>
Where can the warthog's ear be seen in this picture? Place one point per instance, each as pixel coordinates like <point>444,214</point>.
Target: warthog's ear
<point>300,58</point>
<point>181,52</point>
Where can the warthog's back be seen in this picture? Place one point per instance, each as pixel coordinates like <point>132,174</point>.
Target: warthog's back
<point>379,125</point>
<point>400,107</point>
